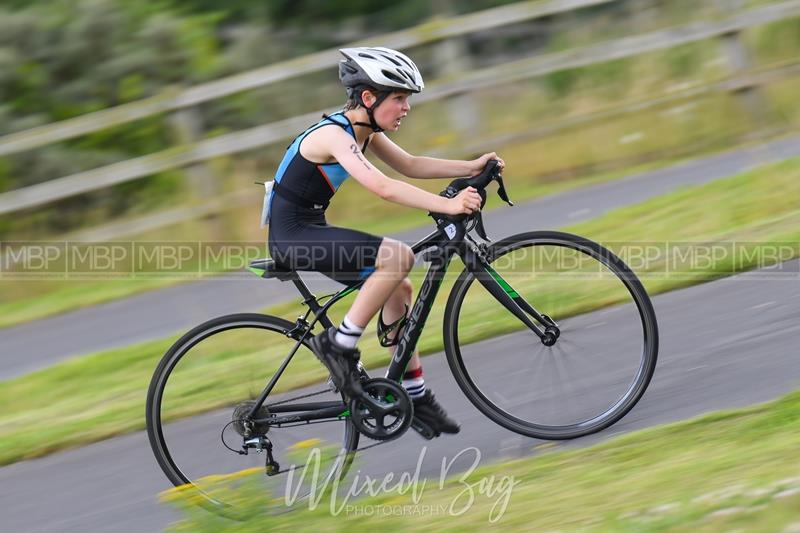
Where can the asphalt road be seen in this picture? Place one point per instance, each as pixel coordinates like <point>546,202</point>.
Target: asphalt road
<point>161,313</point>
<point>724,344</point>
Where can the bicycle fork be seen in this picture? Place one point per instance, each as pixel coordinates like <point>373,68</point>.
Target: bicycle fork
<point>498,287</point>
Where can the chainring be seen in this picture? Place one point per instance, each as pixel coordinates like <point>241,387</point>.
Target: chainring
<point>391,415</point>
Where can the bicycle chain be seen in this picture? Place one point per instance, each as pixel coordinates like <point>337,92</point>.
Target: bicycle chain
<point>358,450</point>
<point>297,398</point>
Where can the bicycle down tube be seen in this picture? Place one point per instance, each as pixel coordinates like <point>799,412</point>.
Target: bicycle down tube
<point>485,274</point>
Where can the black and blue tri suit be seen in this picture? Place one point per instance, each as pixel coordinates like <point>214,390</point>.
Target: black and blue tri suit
<point>299,236</point>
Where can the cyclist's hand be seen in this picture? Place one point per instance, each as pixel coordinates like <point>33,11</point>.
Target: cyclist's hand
<point>478,164</point>
<point>466,202</point>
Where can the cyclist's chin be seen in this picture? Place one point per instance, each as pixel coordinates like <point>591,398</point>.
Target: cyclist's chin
<point>393,126</point>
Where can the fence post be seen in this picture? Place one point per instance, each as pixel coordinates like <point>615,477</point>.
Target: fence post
<point>452,58</point>
<point>187,128</point>
<point>740,62</point>
<point>462,109</point>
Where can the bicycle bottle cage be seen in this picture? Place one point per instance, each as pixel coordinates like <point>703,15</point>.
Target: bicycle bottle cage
<point>384,330</point>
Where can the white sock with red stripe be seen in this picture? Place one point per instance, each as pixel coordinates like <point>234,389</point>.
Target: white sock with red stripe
<point>414,383</point>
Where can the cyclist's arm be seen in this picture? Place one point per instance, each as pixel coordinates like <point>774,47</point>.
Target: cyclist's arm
<point>419,166</point>
<point>344,148</point>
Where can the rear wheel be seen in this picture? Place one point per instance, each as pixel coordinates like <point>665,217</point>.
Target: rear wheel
<point>204,385</point>
<point>585,374</point>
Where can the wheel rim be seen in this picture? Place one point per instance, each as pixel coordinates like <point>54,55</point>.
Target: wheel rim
<point>211,371</point>
<point>594,391</point>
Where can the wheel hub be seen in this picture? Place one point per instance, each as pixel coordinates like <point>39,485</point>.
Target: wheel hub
<point>243,425</point>
<point>551,334</point>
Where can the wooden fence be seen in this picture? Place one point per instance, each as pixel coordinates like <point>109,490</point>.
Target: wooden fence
<point>743,81</point>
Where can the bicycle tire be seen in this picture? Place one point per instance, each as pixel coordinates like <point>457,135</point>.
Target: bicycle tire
<point>501,415</point>
<point>250,322</point>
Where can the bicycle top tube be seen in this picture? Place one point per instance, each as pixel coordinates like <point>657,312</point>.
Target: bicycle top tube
<point>451,228</point>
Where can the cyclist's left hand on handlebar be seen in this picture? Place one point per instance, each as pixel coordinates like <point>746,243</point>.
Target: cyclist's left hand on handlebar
<point>479,163</point>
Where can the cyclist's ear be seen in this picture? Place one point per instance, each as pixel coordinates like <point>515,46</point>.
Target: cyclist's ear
<point>368,97</point>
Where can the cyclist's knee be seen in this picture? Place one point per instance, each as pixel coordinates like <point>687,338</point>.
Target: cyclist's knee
<point>407,258</point>
<point>395,255</point>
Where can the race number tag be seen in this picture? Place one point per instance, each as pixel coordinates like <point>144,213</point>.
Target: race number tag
<point>266,207</point>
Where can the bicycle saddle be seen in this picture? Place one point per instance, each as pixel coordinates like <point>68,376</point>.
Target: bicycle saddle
<point>272,270</point>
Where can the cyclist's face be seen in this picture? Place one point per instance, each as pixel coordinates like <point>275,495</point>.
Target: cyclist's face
<point>392,110</point>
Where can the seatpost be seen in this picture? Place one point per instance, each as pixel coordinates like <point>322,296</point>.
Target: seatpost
<point>311,301</point>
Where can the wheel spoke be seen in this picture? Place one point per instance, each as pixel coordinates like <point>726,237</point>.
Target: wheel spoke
<point>605,352</point>
<point>206,375</point>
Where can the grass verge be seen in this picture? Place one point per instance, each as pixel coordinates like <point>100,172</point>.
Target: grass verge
<point>100,395</point>
<point>726,471</point>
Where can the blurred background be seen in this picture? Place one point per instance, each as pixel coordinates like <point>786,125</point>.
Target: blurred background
<point>121,121</point>
<point>149,122</point>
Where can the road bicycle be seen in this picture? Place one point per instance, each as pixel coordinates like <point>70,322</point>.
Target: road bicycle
<point>548,334</point>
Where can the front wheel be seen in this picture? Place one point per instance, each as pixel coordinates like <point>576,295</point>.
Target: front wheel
<point>578,383</point>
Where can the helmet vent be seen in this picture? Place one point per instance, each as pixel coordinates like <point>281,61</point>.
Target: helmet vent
<point>393,60</point>
<point>393,76</point>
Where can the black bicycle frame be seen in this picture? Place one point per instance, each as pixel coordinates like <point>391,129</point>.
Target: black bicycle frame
<point>439,247</point>
<point>449,241</point>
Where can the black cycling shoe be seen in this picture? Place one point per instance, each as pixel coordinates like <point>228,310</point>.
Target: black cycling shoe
<point>430,419</point>
<point>340,361</point>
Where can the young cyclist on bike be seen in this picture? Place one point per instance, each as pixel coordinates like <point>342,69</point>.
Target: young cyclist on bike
<point>379,82</point>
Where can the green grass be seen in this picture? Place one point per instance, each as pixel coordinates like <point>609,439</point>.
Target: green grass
<point>726,471</point>
<point>100,395</point>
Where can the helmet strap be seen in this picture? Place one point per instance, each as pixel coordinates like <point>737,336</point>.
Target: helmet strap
<point>382,95</point>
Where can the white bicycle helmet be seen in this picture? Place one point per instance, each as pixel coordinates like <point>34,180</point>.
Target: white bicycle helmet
<point>382,69</point>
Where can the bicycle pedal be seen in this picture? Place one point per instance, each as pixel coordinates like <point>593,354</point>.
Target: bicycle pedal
<point>364,376</point>
<point>426,431</point>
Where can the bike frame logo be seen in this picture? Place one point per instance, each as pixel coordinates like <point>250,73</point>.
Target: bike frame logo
<point>412,326</point>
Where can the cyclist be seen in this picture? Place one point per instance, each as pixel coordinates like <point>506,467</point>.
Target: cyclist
<point>379,82</point>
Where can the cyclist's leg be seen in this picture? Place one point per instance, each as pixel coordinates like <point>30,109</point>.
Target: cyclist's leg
<point>353,257</point>
<point>347,256</point>
<point>393,309</point>
<point>427,409</point>
<point>394,261</point>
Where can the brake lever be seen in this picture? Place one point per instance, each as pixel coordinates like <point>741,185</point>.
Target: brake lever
<point>480,228</point>
<point>501,190</point>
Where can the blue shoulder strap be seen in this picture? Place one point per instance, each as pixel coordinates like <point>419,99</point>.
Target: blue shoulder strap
<point>327,119</point>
